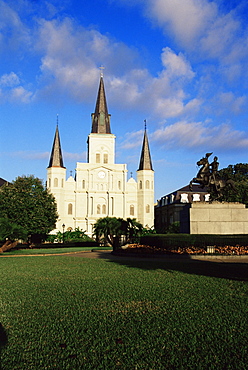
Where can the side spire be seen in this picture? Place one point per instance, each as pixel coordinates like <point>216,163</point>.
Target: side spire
<point>101,118</point>
<point>56,158</point>
<point>145,157</point>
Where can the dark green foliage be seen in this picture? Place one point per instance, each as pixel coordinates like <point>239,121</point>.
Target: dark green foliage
<point>239,174</point>
<point>168,241</point>
<point>11,231</point>
<point>111,229</point>
<point>28,204</point>
<point>69,236</point>
<point>75,313</point>
<point>173,228</point>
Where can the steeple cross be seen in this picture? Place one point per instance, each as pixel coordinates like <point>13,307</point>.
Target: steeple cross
<point>101,68</point>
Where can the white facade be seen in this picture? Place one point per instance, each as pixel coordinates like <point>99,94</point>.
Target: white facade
<point>100,187</point>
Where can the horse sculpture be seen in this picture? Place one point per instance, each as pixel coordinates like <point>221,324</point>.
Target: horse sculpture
<point>209,177</point>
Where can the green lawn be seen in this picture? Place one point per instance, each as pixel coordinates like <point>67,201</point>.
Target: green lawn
<point>51,250</point>
<point>63,312</point>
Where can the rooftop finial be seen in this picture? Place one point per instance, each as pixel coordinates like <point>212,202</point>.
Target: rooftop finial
<point>57,119</point>
<point>145,124</point>
<point>101,69</point>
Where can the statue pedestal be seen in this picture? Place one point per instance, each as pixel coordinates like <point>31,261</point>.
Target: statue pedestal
<point>214,218</point>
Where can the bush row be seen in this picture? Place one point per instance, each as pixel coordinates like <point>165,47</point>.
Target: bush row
<point>171,241</point>
<point>87,244</point>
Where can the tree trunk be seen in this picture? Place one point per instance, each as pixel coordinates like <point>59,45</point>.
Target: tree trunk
<point>8,245</point>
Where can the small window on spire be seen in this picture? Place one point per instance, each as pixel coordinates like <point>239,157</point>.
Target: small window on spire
<point>98,157</point>
<point>105,158</point>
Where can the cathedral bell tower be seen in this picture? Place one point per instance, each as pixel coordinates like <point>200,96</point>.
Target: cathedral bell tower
<point>101,143</point>
<point>56,173</point>
<point>145,184</point>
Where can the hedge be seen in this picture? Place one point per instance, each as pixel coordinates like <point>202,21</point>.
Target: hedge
<point>168,241</point>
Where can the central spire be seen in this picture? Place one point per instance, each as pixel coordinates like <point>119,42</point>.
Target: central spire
<point>145,158</point>
<point>56,159</point>
<point>101,118</point>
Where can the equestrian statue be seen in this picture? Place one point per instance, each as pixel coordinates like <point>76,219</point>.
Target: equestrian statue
<point>208,176</point>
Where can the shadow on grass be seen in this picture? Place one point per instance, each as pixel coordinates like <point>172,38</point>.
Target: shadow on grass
<point>3,340</point>
<point>224,270</point>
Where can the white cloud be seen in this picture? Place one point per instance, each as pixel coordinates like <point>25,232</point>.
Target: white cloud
<point>72,157</point>
<point>9,80</point>
<point>12,90</point>
<point>186,19</point>
<point>176,65</point>
<point>197,134</point>
<point>132,140</point>
<point>32,155</point>
<point>14,35</point>
<point>184,134</point>
<point>20,95</point>
<point>227,100</point>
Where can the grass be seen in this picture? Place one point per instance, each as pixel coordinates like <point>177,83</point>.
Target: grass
<point>52,250</point>
<point>64,312</point>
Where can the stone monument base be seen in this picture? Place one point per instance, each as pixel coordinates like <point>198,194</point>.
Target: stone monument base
<point>214,218</point>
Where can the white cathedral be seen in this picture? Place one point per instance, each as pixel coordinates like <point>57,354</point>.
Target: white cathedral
<point>100,187</point>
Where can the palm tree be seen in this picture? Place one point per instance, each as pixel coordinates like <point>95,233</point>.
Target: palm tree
<point>109,229</point>
<point>134,229</point>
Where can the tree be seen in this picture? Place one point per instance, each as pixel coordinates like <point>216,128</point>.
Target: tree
<point>132,230</point>
<point>111,229</point>
<point>239,174</point>
<point>27,203</point>
<point>10,233</point>
<point>69,236</point>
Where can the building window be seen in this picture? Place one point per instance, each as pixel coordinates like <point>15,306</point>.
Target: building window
<point>69,209</point>
<point>131,210</point>
<point>119,185</point>
<point>207,196</point>
<point>98,158</point>
<point>62,183</point>
<point>104,209</point>
<point>98,209</point>
<point>91,205</point>
<point>184,198</point>
<point>147,184</point>
<point>83,184</point>
<point>49,182</point>
<point>147,208</point>
<point>56,182</point>
<point>105,158</point>
<point>196,197</point>
<point>112,205</point>
<point>140,184</point>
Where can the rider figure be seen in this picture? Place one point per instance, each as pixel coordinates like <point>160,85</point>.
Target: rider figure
<point>214,170</point>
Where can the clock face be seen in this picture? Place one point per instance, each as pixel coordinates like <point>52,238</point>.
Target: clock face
<point>101,174</point>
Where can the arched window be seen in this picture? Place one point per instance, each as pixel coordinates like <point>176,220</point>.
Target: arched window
<point>98,209</point>
<point>69,209</point>
<point>49,182</point>
<point>56,182</point>
<point>147,184</point>
<point>131,210</point>
<point>119,185</point>
<point>83,184</point>
<point>105,158</point>
<point>104,209</point>
<point>147,208</point>
<point>140,184</point>
<point>62,183</point>
<point>98,158</point>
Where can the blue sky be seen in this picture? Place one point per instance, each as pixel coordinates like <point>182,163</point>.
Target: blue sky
<point>181,65</point>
